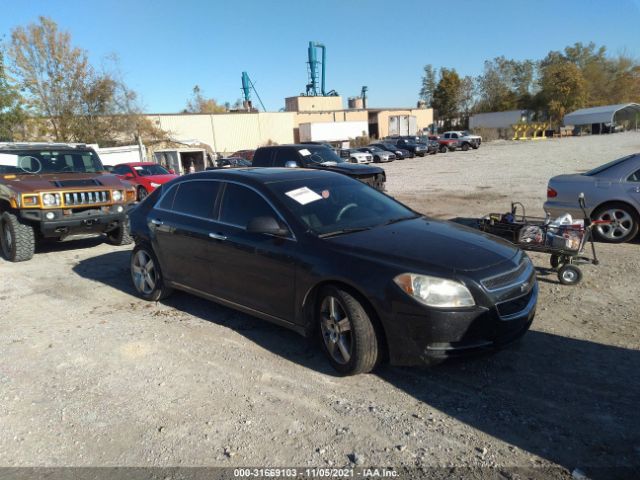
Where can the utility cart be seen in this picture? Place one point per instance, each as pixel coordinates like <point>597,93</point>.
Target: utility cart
<point>564,242</point>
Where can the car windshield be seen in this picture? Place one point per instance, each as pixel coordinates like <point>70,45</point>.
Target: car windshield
<point>35,162</point>
<point>148,170</point>
<point>374,149</point>
<point>606,166</point>
<point>320,154</point>
<point>333,206</point>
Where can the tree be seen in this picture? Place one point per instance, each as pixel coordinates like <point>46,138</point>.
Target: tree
<point>467,97</point>
<point>78,103</point>
<point>506,84</point>
<point>11,113</point>
<point>563,89</point>
<point>446,96</point>
<point>198,103</point>
<point>428,85</point>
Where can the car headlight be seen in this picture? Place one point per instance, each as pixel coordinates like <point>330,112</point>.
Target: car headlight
<point>434,291</point>
<point>116,196</point>
<point>51,199</point>
<point>155,185</point>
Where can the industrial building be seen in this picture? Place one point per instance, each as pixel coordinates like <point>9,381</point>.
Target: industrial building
<point>604,119</point>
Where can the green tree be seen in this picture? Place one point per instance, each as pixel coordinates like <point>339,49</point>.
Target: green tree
<point>65,92</point>
<point>506,84</point>
<point>428,85</point>
<point>198,103</point>
<point>446,96</point>
<point>11,112</point>
<point>563,89</point>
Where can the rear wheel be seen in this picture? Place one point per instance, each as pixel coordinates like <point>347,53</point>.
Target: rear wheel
<point>348,335</point>
<point>624,223</point>
<point>146,274</point>
<point>17,239</point>
<point>443,149</point>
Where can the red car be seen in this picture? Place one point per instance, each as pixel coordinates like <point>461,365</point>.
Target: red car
<point>146,176</point>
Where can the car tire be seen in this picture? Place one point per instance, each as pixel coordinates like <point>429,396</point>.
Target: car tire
<point>465,147</point>
<point>376,159</point>
<point>443,149</point>
<point>121,235</point>
<point>347,334</point>
<point>142,193</point>
<point>569,274</point>
<point>17,239</point>
<point>146,274</point>
<point>475,147</point>
<point>353,160</point>
<point>627,228</point>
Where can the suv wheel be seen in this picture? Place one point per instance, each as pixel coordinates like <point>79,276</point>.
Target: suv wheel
<point>348,336</point>
<point>142,193</point>
<point>16,238</point>
<point>465,147</point>
<point>121,235</point>
<point>146,274</point>
<point>443,149</point>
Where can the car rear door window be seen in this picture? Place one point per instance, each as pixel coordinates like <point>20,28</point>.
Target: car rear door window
<point>634,177</point>
<point>196,198</point>
<point>121,170</point>
<point>240,204</point>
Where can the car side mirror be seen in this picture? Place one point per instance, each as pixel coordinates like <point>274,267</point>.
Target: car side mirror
<point>267,225</point>
<point>128,176</point>
<point>290,164</point>
<point>172,171</point>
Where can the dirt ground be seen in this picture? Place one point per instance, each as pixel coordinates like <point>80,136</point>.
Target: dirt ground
<point>90,375</point>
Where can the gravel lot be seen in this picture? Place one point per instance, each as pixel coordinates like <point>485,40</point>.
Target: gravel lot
<point>92,376</point>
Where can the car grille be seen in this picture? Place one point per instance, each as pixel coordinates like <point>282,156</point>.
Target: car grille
<point>72,199</point>
<point>516,305</point>
<point>508,279</point>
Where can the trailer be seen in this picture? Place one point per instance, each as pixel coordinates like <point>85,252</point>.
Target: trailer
<point>332,131</point>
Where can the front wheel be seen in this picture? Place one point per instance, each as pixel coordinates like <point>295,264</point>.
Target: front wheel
<point>348,335</point>
<point>146,274</point>
<point>142,193</point>
<point>443,149</point>
<point>465,147</point>
<point>623,226</point>
<point>17,239</point>
<point>121,235</point>
<point>569,274</point>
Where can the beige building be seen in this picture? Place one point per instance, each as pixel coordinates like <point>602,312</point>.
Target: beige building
<point>313,104</point>
<point>228,132</point>
<point>384,122</point>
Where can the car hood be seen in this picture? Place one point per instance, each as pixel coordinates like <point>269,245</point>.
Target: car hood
<point>59,181</point>
<point>424,243</point>
<point>349,168</point>
<point>160,178</point>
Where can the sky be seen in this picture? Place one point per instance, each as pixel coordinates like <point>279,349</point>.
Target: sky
<point>166,47</point>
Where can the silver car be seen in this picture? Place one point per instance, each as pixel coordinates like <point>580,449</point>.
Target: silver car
<point>612,192</point>
<point>378,154</point>
<point>356,156</point>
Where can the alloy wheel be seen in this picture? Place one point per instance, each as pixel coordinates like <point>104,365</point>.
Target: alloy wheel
<point>336,330</point>
<point>143,272</point>
<point>621,224</point>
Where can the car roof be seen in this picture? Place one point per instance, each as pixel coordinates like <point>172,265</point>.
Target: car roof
<point>136,164</point>
<point>259,175</point>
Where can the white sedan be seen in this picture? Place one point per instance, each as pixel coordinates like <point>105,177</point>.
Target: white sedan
<point>356,156</point>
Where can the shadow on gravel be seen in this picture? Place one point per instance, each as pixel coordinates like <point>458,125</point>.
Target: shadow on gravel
<point>573,402</point>
<point>47,246</point>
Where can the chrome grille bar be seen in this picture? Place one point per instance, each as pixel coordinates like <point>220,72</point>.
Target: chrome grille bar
<point>74,199</point>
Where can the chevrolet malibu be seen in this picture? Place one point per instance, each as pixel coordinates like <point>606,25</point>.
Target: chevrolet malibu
<point>324,254</point>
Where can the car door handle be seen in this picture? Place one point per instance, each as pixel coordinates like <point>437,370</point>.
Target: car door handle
<point>217,236</point>
<point>157,222</point>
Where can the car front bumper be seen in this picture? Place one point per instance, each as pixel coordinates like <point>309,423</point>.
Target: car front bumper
<point>422,335</point>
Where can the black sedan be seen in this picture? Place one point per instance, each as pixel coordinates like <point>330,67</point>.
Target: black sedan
<point>400,153</point>
<point>322,253</point>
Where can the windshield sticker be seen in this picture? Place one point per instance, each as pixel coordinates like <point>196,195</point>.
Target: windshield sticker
<point>304,152</point>
<point>8,159</point>
<point>303,195</point>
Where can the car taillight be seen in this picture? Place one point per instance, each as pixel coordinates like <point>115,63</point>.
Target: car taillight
<point>551,193</point>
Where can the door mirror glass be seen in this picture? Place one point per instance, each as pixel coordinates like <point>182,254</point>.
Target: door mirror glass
<point>268,225</point>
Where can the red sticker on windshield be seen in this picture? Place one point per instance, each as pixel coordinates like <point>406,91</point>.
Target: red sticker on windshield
<point>325,194</point>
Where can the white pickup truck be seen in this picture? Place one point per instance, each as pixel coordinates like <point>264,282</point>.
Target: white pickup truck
<point>465,139</point>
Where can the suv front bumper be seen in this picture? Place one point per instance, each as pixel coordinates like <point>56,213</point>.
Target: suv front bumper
<point>92,221</point>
